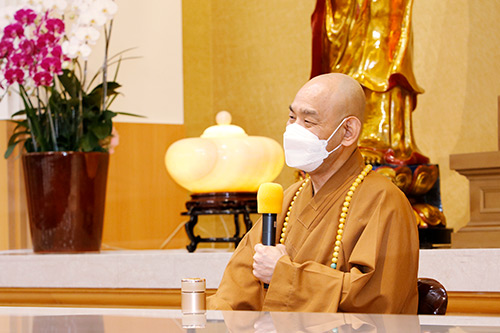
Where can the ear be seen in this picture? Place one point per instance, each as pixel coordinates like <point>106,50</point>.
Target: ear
<point>353,129</point>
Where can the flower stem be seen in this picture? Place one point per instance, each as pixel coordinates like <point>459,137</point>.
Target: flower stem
<point>28,106</point>
<point>52,130</point>
<point>84,76</point>
<point>107,35</point>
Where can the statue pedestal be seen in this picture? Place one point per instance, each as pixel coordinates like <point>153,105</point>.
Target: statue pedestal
<point>483,172</point>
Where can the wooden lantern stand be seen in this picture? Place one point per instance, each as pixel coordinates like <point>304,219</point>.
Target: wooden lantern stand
<point>219,203</point>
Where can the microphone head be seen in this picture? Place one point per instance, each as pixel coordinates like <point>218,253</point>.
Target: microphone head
<point>269,198</point>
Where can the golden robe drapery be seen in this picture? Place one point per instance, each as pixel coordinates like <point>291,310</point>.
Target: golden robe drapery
<point>378,262</point>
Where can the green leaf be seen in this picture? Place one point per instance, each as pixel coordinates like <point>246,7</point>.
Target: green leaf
<point>112,86</point>
<point>11,147</point>
<point>19,113</point>
<point>101,130</point>
<point>70,83</point>
<point>131,114</point>
<point>108,115</point>
<point>89,142</point>
<point>14,136</point>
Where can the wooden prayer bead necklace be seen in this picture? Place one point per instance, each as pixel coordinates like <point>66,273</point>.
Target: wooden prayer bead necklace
<point>343,214</point>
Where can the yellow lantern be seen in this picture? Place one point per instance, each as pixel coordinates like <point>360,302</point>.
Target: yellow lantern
<point>224,159</point>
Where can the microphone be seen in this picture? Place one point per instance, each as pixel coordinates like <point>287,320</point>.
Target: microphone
<point>269,203</point>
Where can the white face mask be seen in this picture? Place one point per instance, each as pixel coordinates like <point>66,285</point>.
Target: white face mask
<point>303,149</point>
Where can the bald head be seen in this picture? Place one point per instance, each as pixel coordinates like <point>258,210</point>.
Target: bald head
<point>338,93</point>
<point>331,107</point>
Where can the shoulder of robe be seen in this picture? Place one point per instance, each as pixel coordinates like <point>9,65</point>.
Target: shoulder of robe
<point>378,192</point>
<point>379,187</point>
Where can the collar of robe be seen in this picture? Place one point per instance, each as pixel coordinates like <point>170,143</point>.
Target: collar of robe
<point>343,215</point>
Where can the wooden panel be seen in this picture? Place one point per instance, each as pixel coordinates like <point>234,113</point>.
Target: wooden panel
<point>4,225</point>
<point>143,203</point>
<point>13,210</point>
<point>459,303</point>
<point>76,297</point>
<point>473,303</point>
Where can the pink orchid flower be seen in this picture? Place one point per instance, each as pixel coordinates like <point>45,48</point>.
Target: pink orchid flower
<point>56,51</point>
<point>13,30</point>
<point>27,46</point>
<point>43,79</point>
<point>6,48</point>
<point>52,65</point>
<point>45,39</point>
<point>55,25</point>
<point>21,59</point>
<point>25,16</point>
<point>14,75</point>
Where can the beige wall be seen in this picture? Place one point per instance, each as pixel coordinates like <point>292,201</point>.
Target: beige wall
<point>457,54</point>
<point>250,58</point>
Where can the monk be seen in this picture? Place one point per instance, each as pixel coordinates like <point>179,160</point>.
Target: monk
<point>347,237</point>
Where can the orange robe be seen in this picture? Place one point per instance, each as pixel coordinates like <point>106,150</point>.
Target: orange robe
<point>378,260</point>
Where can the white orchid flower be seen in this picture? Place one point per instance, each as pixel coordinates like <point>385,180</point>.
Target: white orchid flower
<point>92,17</point>
<point>71,47</point>
<point>87,34</point>
<point>7,16</point>
<point>107,7</point>
<point>56,5</point>
<point>84,51</point>
<point>77,6</point>
<point>74,49</point>
<point>36,5</point>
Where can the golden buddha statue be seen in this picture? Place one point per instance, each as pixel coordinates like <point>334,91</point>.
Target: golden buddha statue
<point>371,41</point>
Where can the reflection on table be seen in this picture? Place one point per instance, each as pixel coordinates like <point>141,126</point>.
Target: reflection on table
<point>76,320</point>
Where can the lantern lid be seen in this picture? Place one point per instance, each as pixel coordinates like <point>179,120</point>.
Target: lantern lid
<point>223,127</point>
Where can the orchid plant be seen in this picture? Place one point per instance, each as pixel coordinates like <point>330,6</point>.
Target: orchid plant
<point>44,53</point>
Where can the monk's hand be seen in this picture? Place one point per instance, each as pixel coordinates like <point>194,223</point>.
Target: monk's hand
<point>265,259</point>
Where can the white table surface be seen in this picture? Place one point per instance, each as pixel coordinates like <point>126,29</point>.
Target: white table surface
<point>475,270</point>
<point>53,319</point>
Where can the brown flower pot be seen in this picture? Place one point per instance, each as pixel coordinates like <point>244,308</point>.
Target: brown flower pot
<point>66,193</point>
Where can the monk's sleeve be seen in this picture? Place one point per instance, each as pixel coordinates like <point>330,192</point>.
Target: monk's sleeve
<point>239,288</point>
<point>379,263</point>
